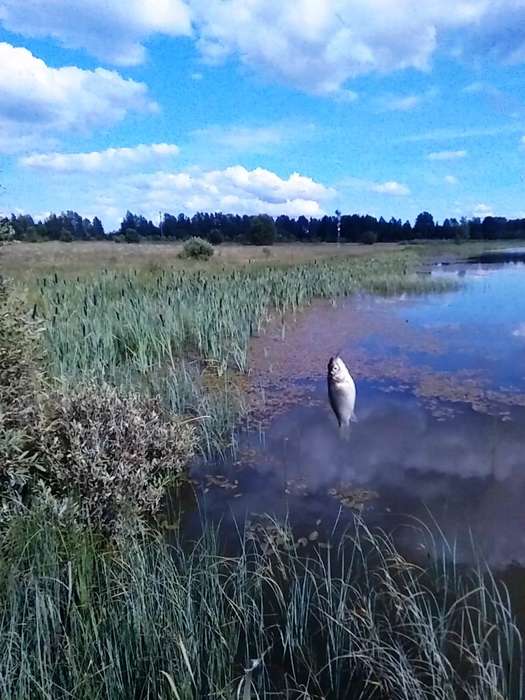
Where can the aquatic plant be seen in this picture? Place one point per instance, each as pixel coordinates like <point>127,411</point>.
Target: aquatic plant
<point>156,331</point>
<point>180,620</point>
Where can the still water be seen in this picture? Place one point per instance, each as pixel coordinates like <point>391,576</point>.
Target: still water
<point>441,408</point>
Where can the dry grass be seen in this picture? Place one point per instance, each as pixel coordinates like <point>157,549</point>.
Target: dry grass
<point>26,259</point>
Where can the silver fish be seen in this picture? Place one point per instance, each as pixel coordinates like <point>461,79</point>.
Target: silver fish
<point>341,392</point>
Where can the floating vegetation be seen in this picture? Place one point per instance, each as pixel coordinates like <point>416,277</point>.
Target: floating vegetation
<point>351,497</point>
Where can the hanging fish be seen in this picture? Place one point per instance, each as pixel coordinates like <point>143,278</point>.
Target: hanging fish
<point>341,392</point>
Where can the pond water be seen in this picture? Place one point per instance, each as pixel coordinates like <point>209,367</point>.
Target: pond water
<point>441,430</point>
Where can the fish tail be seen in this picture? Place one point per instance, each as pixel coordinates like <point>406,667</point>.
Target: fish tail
<point>344,431</point>
<point>354,418</point>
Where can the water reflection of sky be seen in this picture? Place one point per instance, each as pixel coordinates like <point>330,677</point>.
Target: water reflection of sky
<point>463,465</point>
<point>483,325</point>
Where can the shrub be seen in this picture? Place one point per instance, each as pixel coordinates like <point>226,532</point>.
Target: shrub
<point>7,232</point>
<point>197,249</point>
<point>131,236</point>
<point>107,453</point>
<point>368,237</point>
<point>113,454</point>
<point>66,236</point>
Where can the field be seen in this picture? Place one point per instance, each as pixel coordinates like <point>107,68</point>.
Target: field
<point>71,258</point>
<point>118,363</point>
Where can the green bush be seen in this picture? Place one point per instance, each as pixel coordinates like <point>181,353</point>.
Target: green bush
<point>131,236</point>
<point>368,237</point>
<point>66,236</point>
<point>7,232</point>
<point>197,249</point>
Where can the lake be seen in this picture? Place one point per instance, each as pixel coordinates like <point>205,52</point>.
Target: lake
<point>441,432</point>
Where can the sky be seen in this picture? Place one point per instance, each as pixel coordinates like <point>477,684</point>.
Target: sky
<point>386,107</point>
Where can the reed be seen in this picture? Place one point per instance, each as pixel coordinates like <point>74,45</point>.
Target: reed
<point>185,620</point>
<point>158,330</point>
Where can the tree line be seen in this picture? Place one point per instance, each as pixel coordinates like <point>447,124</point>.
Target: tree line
<point>258,230</point>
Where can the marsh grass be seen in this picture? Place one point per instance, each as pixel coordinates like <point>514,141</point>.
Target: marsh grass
<point>190,620</point>
<point>161,330</point>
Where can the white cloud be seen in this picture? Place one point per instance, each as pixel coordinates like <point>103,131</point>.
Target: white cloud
<point>451,180</point>
<point>95,161</point>
<point>402,103</point>
<point>405,103</point>
<point>255,139</point>
<point>314,46</point>
<point>318,46</point>
<point>446,155</point>
<point>111,30</point>
<point>38,101</point>
<point>482,210</point>
<point>196,76</point>
<point>519,332</point>
<point>391,187</point>
<point>447,134</point>
<point>234,189</point>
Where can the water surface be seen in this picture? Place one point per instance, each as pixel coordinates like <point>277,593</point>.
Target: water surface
<point>441,406</point>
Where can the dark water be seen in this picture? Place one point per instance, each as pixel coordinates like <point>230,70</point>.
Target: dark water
<point>441,432</point>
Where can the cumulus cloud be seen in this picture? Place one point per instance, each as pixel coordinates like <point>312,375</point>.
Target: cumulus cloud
<point>450,180</point>
<point>446,155</point>
<point>391,187</point>
<point>234,189</point>
<point>314,46</point>
<point>482,210</point>
<point>95,161</point>
<point>111,30</point>
<point>37,100</point>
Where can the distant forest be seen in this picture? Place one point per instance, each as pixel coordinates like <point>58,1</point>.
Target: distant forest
<point>258,230</point>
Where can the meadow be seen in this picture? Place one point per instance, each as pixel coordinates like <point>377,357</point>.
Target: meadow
<point>113,374</point>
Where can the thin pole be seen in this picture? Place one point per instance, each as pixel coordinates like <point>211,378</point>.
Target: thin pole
<point>338,214</point>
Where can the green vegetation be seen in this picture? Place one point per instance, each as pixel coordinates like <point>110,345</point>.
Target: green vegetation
<point>197,249</point>
<point>152,620</point>
<point>108,384</point>
<point>183,335</point>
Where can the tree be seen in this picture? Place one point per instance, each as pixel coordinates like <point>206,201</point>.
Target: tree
<point>424,226</point>
<point>262,230</point>
<point>215,236</point>
<point>98,229</point>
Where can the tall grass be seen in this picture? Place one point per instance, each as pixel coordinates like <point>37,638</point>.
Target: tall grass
<point>158,330</point>
<point>154,620</point>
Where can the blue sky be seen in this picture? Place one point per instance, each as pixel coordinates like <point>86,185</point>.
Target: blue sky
<point>386,107</point>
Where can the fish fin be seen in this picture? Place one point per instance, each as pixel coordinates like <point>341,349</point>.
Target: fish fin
<point>354,418</point>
